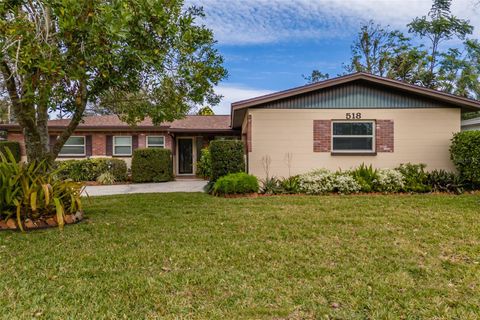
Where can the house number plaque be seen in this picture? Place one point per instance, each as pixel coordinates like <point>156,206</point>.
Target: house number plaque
<point>353,115</point>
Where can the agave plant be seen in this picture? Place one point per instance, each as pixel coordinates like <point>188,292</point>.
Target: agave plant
<point>30,191</point>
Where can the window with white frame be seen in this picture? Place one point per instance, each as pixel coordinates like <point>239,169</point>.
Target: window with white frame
<point>75,146</point>
<point>353,136</point>
<point>155,142</point>
<point>122,145</point>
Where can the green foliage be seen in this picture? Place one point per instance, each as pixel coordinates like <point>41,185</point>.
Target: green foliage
<point>367,177</point>
<point>415,177</point>
<point>206,111</point>
<point>227,157</point>
<point>204,165</point>
<point>14,148</point>
<point>465,154</point>
<point>420,57</point>
<point>116,167</point>
<point>236,183</point>
<point>152,165</point>
<point>91,169</point>
<point>29,191</point>
<point>135,58</point>
<point>445,181</point>
<point>271,185</point>
<point>106,178</point>
<point>291,185</point>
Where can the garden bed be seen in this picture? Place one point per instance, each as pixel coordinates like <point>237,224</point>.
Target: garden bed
<point>41,223</point>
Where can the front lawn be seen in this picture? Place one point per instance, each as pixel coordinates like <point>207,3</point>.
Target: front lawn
<point>196,256</point>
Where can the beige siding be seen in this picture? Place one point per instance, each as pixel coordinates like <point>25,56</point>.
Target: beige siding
<point>421,136</point>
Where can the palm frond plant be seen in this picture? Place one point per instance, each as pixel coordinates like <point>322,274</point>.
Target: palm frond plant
<point>31,191</point>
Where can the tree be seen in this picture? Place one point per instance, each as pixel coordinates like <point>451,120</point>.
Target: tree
<point>147,58</point>
<point>383,52</point>
<point>380,51</point>
<point>316,76</point>
<point>439,26</point>
<point>206,111</point>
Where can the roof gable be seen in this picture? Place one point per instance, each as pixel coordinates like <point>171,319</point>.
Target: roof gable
<point>358,90</point>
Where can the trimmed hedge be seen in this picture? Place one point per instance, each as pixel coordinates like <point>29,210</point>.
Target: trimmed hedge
<point>465,154</point>
<point>91,169</point>
<point>227,157</point>
<point>14,147</point>
<point>152,165</point>
<point>236,183</point>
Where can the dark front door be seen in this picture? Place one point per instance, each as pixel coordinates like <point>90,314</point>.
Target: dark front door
<point>185,155</point>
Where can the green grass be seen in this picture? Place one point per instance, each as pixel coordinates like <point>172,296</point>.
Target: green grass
<point>187,256</point>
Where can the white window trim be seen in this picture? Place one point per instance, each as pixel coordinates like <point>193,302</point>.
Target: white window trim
<point>122,145</point>
<point>155,145</point>
<point>84,145</point>
<point>353,136</point>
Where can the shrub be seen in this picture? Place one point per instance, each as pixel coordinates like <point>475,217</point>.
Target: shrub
<point>316,182</point>
<point>236,183</point>
<point>271,185</point>
<point>291,185</point>
<point>227,157</point>
<point>116,167</point>
<point>445,181</point>
<point>389,180</point>
<point>465,154</point>
<point>415,177</point>
<point>323,181</point>
<point>204,165</point>
<point>29,191</point>
<point>14,148</point>
<point>366,177</point>
<point>76,170</point>
<point>91,169</point>
<point>106,178</point>
<point>344,183</point>
<point>152,165</point>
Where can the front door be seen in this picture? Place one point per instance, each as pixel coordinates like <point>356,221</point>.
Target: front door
<point>185,155</point>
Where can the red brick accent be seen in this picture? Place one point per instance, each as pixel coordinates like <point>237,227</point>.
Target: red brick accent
<point>19,138</point>
<point>322,135</point>
<point>249,133</point>
<point>384,136</point>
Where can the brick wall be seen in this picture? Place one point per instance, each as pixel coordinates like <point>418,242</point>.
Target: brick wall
<point>11,136</point>
<point>322,136</point>
<point>384,136</point>
<point>99,139</point>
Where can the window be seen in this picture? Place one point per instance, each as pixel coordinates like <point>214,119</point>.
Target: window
<point>355,136</point>
<point>155,142</point>
<point>122,146</point>
<point>75,146</point>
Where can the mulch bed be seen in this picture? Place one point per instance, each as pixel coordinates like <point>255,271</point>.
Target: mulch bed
<point>42,223</point>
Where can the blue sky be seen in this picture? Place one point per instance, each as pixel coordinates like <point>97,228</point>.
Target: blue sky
<point>269,44</point>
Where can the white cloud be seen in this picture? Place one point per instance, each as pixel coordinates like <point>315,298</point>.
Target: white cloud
<point>232,93</point>
<point>270,21</point>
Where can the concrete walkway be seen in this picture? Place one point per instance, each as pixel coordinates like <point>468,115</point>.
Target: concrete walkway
<point>171,186</point>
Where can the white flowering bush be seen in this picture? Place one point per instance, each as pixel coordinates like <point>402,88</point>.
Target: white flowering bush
<point>316,182</point>
<point>323,181</point>
<point>389,180</point>
<point>345,183</point>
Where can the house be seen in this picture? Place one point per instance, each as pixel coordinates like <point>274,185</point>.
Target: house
<point>471,124</point>
<point>334,124</point>
<point>108,136</point>
<point>346,121</point>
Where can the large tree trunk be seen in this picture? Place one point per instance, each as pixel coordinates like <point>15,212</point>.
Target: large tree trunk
<point>37,146</point>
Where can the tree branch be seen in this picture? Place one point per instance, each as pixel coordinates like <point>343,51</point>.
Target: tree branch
<point>80,103</point>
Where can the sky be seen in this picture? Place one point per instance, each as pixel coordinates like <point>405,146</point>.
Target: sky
<point>269,44</point>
